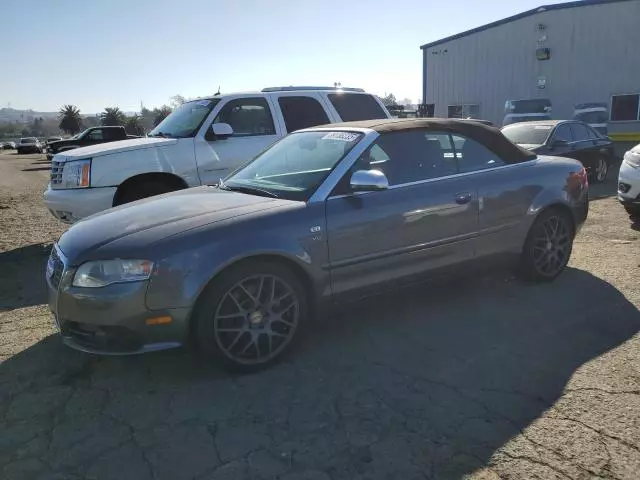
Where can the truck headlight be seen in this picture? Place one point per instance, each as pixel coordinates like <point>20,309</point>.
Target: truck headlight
<point>105,272</point>
<point>76,174</point>
<point>632,158</point>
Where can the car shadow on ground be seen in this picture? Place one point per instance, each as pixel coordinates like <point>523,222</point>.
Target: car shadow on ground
<point>22,282</point>
<point>36,169</point>
<point>609,188</point>
<point>426,381</point>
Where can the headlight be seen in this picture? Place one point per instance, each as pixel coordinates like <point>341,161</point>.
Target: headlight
<point>106,272</point>
<point>632,158</point>
<point>76,174</point>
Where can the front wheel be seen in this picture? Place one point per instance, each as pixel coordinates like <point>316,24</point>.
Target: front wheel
<point>138,191</point>
<point>251,315</point>
<point>633,211</point>
<point>601,170</point>
<point>548,246</point>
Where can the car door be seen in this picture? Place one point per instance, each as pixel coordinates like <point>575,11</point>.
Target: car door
<point>505,193</point>
<point>426,219</point>
<point>254,130</point>
<point>584,148</point>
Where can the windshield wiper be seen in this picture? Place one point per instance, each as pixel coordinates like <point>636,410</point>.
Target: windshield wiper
<point>246,189</point>
<point>160,134</point>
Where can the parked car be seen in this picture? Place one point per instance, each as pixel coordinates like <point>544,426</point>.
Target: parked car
<point>199,143</point>
<point>595,114</point>
<point>325,214</point>
<point>29,145</point>
<point>526,110</point>
<point>629,182</point>
<point>91,136</point>
<point>8,145</point>
<point>566,138</point>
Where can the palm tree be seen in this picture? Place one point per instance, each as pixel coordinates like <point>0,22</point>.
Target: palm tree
<point>159,114</point>
<point>133,126</point>
<point>70,120</point>
<point>112,116</point>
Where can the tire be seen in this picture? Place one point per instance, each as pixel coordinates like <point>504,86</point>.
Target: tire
<point>600,171</point>
<point>548,246</point>
<point>633,211</point>
<point>228,327</point>
<point>138,191</point>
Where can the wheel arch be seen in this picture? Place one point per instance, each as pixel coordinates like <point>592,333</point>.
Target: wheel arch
<point>167,178</point>
<point>294,266</point>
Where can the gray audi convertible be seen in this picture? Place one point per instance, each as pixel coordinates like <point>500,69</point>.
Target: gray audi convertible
<point>325,214</point>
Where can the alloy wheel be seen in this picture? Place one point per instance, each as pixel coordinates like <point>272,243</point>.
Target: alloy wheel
<point>601,170</point>
<point>552,246</point>
<point>256,319</point>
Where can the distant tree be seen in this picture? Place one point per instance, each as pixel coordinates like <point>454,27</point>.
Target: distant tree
<point>159,114</point>
<point>389,100</point>
<point>133,126</point>
<point>176,101</point>
<point>112,116</point>
<point>70,120</point>
<point>92,121</point>
<point>406,101</point>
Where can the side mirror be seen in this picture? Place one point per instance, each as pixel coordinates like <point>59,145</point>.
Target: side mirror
<point>221,131</point>
<point>368,181</point>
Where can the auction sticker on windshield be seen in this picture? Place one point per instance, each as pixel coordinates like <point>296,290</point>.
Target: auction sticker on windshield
<point>342,136</point>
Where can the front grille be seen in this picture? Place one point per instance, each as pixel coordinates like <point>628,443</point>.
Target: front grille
<point>56,172</point>
<point>55,268</point>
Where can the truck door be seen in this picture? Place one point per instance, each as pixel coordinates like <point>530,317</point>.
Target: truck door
<point>254,129</point>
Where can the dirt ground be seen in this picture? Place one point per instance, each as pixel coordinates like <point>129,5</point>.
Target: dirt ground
<point>481,378</point>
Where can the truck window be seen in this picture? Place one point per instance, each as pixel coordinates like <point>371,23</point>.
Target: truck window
<point>353,106</point>
<point>302,112</point>
<point>95,135</point>
<point>111,133</point>
<point>248,117</point>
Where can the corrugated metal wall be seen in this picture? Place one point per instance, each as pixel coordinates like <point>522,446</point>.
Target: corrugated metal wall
<point>595,52</point>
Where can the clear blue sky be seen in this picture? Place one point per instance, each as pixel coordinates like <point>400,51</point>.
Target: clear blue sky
<point>99,53</point>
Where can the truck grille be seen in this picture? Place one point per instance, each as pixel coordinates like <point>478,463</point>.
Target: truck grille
<point>56,172</point>
<point>55,267</point>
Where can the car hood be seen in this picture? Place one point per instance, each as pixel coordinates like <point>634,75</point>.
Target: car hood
<point>160,217</point>
<point>114,147</point>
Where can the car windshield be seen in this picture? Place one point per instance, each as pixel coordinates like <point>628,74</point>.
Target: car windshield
<point>527,134</point>
<point>294,167</point>
<point>599,116</point>
<point>185,120</point>
<point>28,140</point>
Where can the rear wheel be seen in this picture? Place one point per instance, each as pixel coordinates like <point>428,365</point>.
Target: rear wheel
<point>251,315</point>
<point>145,189</point>
<point>601,170</point>
<point>548,246</point>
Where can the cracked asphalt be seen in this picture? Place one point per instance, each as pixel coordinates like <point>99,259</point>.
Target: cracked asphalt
<point>483,377</point>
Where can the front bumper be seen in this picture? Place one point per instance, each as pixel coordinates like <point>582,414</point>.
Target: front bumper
<point>629,184</point>
<point>74,204</point>
<point>112,320</point>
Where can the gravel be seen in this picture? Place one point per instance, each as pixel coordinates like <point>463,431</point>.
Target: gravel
<point>482,378</point>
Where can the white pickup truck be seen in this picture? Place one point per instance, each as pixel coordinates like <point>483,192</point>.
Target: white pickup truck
<point>199,143</point>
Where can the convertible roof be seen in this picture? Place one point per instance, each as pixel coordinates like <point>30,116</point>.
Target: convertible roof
<point>487,135</point>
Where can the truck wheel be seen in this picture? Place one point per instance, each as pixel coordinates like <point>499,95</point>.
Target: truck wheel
<point>141,190</point>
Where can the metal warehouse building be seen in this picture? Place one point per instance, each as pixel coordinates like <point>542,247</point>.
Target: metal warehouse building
<point>571,54</point>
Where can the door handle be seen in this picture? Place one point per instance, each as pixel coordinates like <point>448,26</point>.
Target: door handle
<point>463,198</point>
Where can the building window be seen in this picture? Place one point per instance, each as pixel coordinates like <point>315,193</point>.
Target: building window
<point>625,108</point>
<point>467,110</point>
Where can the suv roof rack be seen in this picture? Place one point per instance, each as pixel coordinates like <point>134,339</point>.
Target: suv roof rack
<point>293,89</point>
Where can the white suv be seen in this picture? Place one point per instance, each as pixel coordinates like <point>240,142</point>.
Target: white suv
<point>629,181</point>
<point>199,143</point>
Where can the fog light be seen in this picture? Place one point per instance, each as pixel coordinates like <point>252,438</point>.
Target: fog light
<point>623,187</point>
